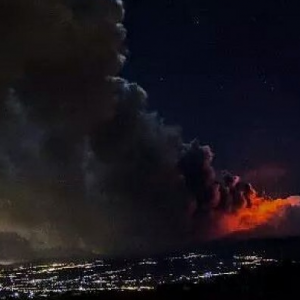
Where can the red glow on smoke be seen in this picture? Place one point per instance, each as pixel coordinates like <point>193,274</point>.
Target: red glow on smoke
<point>262,212</point>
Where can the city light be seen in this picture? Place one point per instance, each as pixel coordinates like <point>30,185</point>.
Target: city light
<point>128,275</point>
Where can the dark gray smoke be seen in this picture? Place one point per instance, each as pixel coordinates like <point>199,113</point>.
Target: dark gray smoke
<point>227,193</point>
<point>82,162</point>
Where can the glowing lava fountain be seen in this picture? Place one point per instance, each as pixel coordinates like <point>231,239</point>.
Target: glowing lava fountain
<point>263,212</point>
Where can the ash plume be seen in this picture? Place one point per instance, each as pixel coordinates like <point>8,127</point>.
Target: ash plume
<point>83,164</point>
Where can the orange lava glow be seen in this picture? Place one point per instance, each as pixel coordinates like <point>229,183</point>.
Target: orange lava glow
<point>262,212</point>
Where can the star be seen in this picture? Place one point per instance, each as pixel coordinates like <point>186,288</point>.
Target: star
<point>196,21</point>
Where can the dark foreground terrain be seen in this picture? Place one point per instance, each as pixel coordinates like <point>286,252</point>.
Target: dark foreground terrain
<point>272,282</point>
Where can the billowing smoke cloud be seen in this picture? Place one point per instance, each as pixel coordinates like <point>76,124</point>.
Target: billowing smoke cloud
<point>227,194</point>
<point>83,164</point>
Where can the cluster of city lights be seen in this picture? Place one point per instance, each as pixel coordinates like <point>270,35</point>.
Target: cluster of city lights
<point>109,275</point>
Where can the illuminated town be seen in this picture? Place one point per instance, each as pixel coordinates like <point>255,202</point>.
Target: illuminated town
<point>42,280</point>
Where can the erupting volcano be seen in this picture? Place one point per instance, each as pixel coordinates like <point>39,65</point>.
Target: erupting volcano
<point>85,167</point>
<point>225,205</point>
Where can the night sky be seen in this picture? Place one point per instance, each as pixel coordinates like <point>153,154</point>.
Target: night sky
<point>228,74</point>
